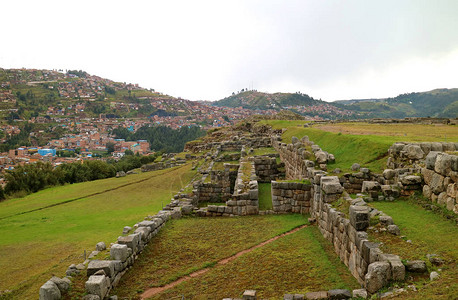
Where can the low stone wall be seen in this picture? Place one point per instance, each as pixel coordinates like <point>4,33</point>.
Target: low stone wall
<point>244,201</point>
<point>162,165</point>
<point>441,179</point>
<point>267,168</point>
<point>295,158</point>
<point>209,192</point>
<point>255,141</point>
<point>405,154</point>
<point>353,182</point>
<point>104,275</point>
<point>291,197</point>
<point>368,264</point>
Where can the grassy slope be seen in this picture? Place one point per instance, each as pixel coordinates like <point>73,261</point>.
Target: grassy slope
<point>35,245</point>
<point>363,143</point>
<point>297,263</point>
<point>430,233</point>
<point>59,194</point>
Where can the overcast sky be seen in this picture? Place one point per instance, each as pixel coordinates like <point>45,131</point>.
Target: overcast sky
<point>205,50</point>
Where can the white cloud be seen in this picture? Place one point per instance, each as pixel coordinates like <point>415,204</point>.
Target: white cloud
<point>207,49</point>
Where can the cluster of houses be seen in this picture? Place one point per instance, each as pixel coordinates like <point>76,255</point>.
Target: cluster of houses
<point>321,109</point>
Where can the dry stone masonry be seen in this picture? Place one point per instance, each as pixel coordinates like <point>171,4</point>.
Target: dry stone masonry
<point>291,197</point>
<point>299,184</point>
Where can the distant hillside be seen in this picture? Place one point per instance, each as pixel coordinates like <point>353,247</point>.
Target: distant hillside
<point>297,102</point>
<point>259,100</point>
<point>27,93</point>
<point>435,103</point>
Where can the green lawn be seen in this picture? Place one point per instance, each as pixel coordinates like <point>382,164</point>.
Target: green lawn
<point>59,194</point>
<point>430,234</point>
<point>265,196</point>
<point>35,245</point>
<point>297,263</point>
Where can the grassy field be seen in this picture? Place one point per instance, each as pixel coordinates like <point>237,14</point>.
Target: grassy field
<point>295,263</point>
<point>37,244</point>
<point>430,234</point>
<point>265,196</point>
<point>366,144</point>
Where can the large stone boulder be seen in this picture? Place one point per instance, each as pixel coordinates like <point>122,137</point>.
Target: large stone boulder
<point>108,266</point>
<point>370,186</point>
<point>49,291</point>
<point>321,157</point>
<point>355,167</point>
<point>416,266</point>
<point>377,276</point>
<point>339,294</point>
<point>414,151</point>
<point>443,164</point>
<point>100,246</point>
<point>331,185</point>
<point>62,283</point>
<point>398,270</point>
<point>437,183</point>
<point>394,229</point>
<point>389,174</point>
<point>430,160</point>
<point>411,180</point>
<point>359,217</point>
<point>360,293</point>
<point>119,252</point>
<point>249,295</point>
<point>98,285</point>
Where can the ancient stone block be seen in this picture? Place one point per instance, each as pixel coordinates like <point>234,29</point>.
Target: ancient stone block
<point>316,295</point>
<point>443,164</point>
<point>377,276</point>
<point>393,229</point>
<point>416,266</point>
<point>339,294</point>
<point>366,249</point>
<point>359,217</point>
<point>49,291</point>
<point>389,174</point>
<point>386,220</point>
<point>249,295</point>
<point>119,252</point>
<point>360,293</point>
<point>100,246</point>
<point>62,283</point>
<point>370,186</point>
<point>411,180</point>
<point>414,151</point>
<point>106,265</point>
<point>97,285</point>
<point>331,185</point>
<point>430,160</point>
<point>398,269</point>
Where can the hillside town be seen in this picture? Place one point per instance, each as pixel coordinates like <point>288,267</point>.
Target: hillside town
<point>73,114</point>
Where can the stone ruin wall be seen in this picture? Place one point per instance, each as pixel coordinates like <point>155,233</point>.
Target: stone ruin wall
<point>235,145</point>
<point>438,169</point>
<point>291,197</point>
<point>267,168</point>
<point>245,199</point>
<point>372,268</point>
<point>294,157</point>
<point>104,275</point>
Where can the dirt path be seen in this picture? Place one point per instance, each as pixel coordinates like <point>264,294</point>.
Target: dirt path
<point>156,290</point>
